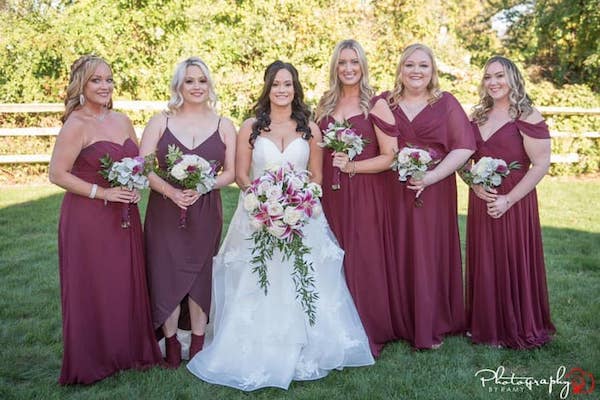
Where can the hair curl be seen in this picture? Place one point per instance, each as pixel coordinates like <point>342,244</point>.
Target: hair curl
<point>81,72</point>
<point>434,84</point>
<point>262,108</point>
<point>332,96</point>
<point>520,103</point>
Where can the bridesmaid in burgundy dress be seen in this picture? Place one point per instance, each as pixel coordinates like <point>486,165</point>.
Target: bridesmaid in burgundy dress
<point>428,300</point>
<point>507,297</point>
<point>180,259</point>
<point>356,212</point>
<point>104,298</point>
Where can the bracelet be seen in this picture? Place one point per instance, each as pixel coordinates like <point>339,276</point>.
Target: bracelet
<point>93,192</point>
<point>164,192</point>
<point>353,172</point>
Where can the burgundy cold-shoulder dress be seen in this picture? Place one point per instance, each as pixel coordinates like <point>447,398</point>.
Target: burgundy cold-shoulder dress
<point>180,259</point>
<point>358,217</point>
<point>507,296</point>
<point>426,278</point>
<point>106,313</point>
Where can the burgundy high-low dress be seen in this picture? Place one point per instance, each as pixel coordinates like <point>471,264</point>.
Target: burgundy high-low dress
<point>357,215</point>
<point>507,296</point>
<point>104,297</point>
<point>427,301</point>
<point>180,259</point>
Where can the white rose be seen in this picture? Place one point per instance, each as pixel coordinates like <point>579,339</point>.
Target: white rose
<point>178,171</point>
<point>274,209</point>
<point>250,202</point>
<point>291,216</point>
<point>264,186</point>
<point>277,229</point>
<point>273,193</point>
<point>296,183</point>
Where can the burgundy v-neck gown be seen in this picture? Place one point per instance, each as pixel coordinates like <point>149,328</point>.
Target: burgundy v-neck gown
<point>180,259</point>
<point>106,312</point>
<point>507,296</point>
<point>428,301</point>
<point>357,216</point>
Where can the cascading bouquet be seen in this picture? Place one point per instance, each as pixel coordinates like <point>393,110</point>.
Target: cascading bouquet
<point>487,172</point>
<point>341,138</point>
<point>414,162</point>
<point>131,173</point>
<point>279,204</point>
<point>191,172</point>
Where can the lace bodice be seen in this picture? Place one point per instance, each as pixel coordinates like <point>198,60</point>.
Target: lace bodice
<point>266,155</point>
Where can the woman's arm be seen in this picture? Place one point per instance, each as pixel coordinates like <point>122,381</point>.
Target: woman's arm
<point>69,143</point>
<point>243,155</point>
<point>229,138</point>
<point>387,147</point>
<point>315,161</point>
<point>538,151</point>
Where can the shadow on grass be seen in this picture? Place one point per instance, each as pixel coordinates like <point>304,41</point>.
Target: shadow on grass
<point>31,330</point>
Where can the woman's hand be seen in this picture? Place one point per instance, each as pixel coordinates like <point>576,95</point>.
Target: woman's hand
<point>419,184</point>
<point>498,207</point>
<point>487,195</point>
<point>179,197</point>
<point>120,195</point>
<point>192,196</point>
<point>342,161</point>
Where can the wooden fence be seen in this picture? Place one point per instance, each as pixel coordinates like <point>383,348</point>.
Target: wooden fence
<point>154,106</point>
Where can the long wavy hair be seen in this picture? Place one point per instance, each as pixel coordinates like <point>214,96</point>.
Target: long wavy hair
<point>434,84</point>
<point>262,108</point>
<point>81,72</point>
<point>332,96</point>
<point>176,101</point>
<point>520,103</point>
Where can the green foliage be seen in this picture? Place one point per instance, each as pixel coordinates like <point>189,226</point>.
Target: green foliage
<point>562,37</point>
<point>144,39</point>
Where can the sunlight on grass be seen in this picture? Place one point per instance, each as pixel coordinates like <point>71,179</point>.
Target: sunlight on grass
<point>31,321</point>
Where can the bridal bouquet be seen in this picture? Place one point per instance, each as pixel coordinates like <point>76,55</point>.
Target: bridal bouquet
<point>413,161</point>
<point>279,204</point>
<point>341,138</point>
<point>131,173</point>
<point>487,171</point>
<point>191,172</point>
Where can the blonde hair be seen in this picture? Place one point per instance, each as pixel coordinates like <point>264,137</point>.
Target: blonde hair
<point>81,72</point>
<point>434,84</point>
<point>176,100</point>
<point>520,103</point>
<point>332,96</point>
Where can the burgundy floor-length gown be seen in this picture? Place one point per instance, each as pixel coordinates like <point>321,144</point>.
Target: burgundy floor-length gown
<point>507,296</point>
<point>357,216</point>
<point>106,312</point>
<point>180,259</point>
<point>426,279</point>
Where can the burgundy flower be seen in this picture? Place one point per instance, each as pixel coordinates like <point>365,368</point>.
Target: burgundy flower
<point>501,169</point>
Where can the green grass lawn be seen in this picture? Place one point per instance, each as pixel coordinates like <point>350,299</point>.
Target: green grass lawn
<point>30,330</point>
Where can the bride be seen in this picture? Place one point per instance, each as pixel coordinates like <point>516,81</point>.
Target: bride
<point>256,340</point>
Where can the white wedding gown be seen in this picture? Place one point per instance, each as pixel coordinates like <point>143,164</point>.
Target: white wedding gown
<point>256,340</point>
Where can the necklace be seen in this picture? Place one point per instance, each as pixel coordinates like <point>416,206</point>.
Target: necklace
<point>100,117</point>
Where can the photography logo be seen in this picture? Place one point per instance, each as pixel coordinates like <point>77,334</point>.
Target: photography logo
<point>576,381</point>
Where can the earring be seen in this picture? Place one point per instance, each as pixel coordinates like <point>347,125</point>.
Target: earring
<point>81,99</point>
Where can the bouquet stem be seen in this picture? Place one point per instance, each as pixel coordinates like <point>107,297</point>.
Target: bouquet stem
<point>337,176</point>
<point>182,218</point>
<point>125,216</point>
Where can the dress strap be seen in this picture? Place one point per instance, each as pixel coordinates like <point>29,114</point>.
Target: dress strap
<point>219,124</point>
